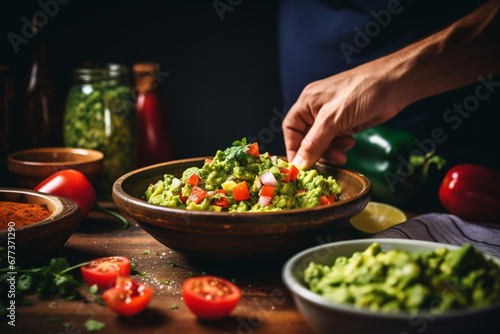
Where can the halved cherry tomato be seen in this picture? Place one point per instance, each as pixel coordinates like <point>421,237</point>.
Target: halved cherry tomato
<point>327,200</point>
<point>254,150</point>
<point>104,271</point>
<point>240,192</point>
<point>128,297</point>
<point>210,297</point>
<point>193,180</point>
<point>70,184</point>
<point>197,195</point>
<point>294,172</point>
<point>286,172</point>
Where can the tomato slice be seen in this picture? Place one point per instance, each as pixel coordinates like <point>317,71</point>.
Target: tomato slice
<point>294,172</point>
<point>193,180</point>
<point>286,172</point>
<point>210,297</point>
<point>240,192</point>
<point>254,150</point>
<point>197,195</point>
<point>128,297</point>
<point>327,200</point>
<point>104,271</point>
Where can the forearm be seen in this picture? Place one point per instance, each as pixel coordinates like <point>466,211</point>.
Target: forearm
<point>451,58</point>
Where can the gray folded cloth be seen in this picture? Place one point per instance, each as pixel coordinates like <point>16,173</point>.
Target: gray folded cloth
<point>448,229</point>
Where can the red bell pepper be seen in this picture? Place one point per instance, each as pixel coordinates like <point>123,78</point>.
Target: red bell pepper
<point>472,192</point>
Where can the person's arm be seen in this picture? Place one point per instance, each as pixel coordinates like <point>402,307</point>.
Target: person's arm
<point>329,111</point>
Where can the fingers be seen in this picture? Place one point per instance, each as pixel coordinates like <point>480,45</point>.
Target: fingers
<point>295,126</point>
<point>335,153</point>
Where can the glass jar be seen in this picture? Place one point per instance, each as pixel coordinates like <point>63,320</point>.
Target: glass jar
<point>100,115</point>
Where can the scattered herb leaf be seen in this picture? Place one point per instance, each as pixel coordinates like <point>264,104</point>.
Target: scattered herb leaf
<point>93,325</point>
<point>174,307</point>
<point>143,274</point>
<point>146,252</point>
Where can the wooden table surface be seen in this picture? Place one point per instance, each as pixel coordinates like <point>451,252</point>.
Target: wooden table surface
<point>265,307</point>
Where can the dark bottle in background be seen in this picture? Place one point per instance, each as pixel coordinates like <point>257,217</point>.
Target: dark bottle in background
<point>41,118</point>
<point>154,143</point>
<point>6,137</point>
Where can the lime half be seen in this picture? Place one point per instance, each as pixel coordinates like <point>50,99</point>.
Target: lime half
<point>377,217</point>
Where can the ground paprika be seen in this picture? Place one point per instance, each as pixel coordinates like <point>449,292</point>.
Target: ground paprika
<point>21,214</point>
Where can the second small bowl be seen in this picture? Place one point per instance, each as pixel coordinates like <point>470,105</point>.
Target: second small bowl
<point>34,165</point>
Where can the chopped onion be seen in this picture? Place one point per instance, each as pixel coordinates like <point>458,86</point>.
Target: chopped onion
<point>265,200</point>
<point>176,182</point>
<point>269,179</point>
<point>258,184</point>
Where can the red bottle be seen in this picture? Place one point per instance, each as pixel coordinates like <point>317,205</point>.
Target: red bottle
<point>154,144</point>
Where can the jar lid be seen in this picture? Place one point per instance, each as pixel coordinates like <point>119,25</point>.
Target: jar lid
<point>146,76</point>
<point>98,71</point>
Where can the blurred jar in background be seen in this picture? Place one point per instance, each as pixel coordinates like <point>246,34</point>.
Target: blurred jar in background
<point>41,117</point>
<point>154,143</point>
<point>6,92</point>
<point>100,115</point>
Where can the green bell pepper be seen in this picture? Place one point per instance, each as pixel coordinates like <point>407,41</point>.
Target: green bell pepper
<point>393,163</point>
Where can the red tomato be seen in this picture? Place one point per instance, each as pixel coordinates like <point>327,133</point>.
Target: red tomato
<point>105,270</point>
<point>472,192</point>
<point>267,191</point>
<point>197,195</point>
<point>294,172</point>
<point>240,192</point>
<point>300,191</point>
<point>254,150</point>
<point>70,184</point>
<point>286,172</point>
<point>327,200</point>
<point>210,297</point>
<point>193,180</point>
<point>128,297</point>
<point>208,161</point>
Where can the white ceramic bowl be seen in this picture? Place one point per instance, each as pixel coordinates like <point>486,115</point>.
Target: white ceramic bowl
<point>325,316</point>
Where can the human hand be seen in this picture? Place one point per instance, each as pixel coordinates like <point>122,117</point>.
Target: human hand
<point>329,111</point>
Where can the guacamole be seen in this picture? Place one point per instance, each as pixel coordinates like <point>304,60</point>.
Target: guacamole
<point>240,179</point>
<point>400,281</point>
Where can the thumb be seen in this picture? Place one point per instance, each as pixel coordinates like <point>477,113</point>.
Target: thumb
<point>314,144</point>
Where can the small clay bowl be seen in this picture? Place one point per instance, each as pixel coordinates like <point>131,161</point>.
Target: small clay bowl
<point>238,237</point>
<point>34,165</point>
<point>33,242</point>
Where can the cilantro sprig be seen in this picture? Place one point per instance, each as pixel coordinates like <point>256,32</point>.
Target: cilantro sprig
<point>238,151</point>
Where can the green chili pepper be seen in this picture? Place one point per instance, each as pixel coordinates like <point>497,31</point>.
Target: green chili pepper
<point>390,158</point>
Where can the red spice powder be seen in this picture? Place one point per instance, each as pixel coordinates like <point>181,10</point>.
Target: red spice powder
<point>21,214</point>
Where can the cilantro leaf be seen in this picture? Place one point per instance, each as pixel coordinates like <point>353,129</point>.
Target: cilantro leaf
<point>241,142</point>
<point>237,151</point>
<point>94,325</point>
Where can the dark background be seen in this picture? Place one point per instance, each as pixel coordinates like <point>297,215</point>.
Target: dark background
<point>223,80</point>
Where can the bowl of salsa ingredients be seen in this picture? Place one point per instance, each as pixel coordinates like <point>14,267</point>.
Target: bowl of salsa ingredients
<point>390,284</point>
<point>241,204</point>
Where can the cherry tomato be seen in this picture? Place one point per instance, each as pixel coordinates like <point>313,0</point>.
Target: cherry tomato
<point>210,297</point>
<point>105,270</point>
<point>70,184</point>
<point>472,192</point>
<point>128,297</point>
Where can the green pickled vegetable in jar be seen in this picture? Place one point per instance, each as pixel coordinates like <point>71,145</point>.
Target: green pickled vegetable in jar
<point>100,115</point>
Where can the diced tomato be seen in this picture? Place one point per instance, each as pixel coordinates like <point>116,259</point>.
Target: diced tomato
<point>210,297</point>
<point>267,191</point>
<point>240,192</point>
<point>104,271</point>
<point>294,172</point>
<point>223,202</point>
<point>286,172</point>
<point>221,191</point>
<point>128,297</point>
<point>327,200</point>
<point>269,156</point>
<point>254,150</point>
<point>300,191</point>
<point>183,199</point>
<point>197,195</point>
<point>207,161</point>
<point>193,180</point>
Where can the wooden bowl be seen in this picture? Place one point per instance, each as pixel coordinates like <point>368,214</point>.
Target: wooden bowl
<point>33,242</point>
<point>228,236</point>
<point>34,165</point>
